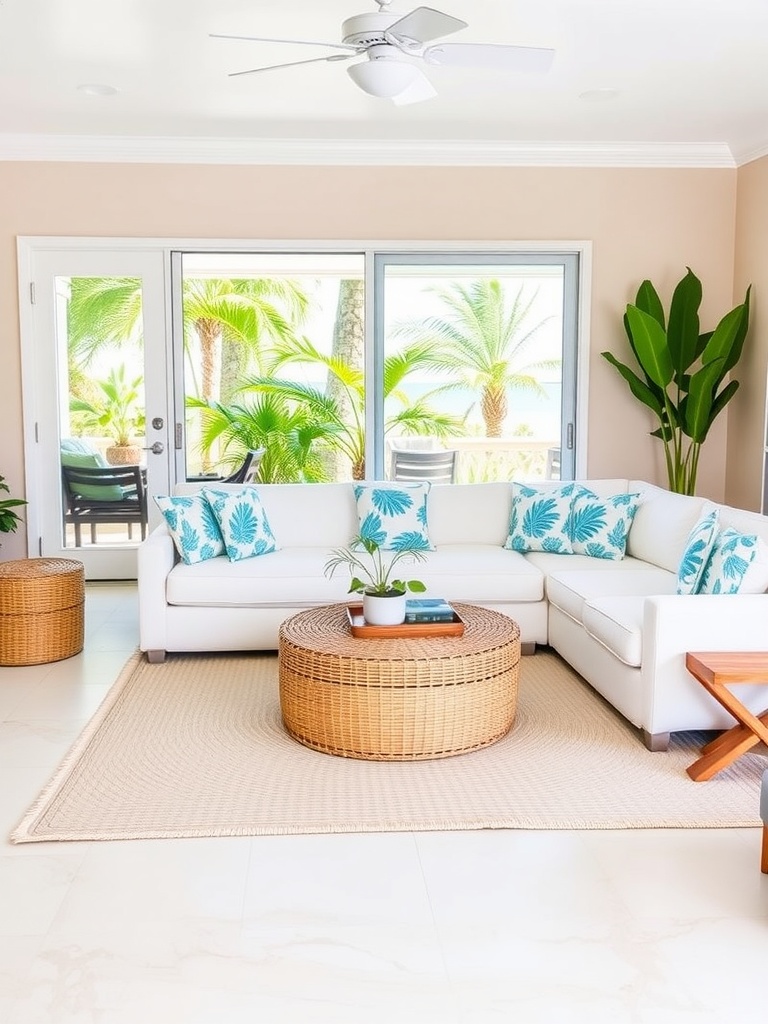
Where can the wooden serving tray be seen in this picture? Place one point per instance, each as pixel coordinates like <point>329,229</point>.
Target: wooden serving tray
<point>359,628</point>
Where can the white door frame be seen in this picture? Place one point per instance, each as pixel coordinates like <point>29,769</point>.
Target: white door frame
<point>39,266</point>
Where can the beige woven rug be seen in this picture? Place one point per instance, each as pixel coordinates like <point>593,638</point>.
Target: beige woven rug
<point>195,747</point>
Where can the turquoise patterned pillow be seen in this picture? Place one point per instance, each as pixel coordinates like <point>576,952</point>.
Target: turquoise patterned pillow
<point>540,518</point>
<point>242,521</point>
<point>394,514</point>
<point>698,548</point>
<point>193,527</point>
<point>599,526</point>
<point>730,566</point>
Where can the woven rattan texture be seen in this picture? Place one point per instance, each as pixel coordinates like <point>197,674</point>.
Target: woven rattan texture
<point>41,610</point>
<point>401,699</point>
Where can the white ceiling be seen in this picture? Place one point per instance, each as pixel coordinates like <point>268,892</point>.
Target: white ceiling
<point>691,78</point>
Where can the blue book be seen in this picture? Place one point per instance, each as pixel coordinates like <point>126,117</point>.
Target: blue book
<point>428,609</point>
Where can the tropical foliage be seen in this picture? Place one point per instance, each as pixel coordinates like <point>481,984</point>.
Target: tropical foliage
<point>9,518</point>
<point>346,433</point>
<point>483,342</point>
<point>370,570</point>
<point>683,370</point>
<point>116,410</point>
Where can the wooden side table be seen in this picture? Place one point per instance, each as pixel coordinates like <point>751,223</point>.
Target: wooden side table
<point>716,670</point>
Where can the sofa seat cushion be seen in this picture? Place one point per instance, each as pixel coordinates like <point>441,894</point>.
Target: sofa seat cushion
<point>617,624</point>
<point>570,592</point>
<point>550,562</point>
<point>291,576</point>
<point>479,572</point>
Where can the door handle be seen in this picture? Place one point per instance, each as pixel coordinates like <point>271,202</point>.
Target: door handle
<point>157,448</point>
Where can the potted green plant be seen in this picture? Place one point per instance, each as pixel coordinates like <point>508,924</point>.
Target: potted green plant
<point>371,572</point>
<point>117,412</point>
<point>682,369</point>
<point>9,519</point>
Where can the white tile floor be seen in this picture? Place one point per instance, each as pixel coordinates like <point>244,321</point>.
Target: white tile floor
<point>643,927</point>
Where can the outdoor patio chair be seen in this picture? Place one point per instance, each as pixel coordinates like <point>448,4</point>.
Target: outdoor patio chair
<point>102,495</point>
<point>436,466</point>
<point>250,467</point>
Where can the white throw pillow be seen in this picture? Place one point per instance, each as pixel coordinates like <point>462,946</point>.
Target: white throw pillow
<point>698,548</point>
<point>394,514</point>
<point>193,526</point>
<point>242,521</point>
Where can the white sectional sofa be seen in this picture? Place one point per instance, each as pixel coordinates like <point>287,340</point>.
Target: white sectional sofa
<point>620,624</point>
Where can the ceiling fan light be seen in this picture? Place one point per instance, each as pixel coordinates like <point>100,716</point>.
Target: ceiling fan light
<point>384,78</point>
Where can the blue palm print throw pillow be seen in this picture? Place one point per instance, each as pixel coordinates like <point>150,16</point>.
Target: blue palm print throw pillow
<point>599,526</point>
<point>728,570</point>
<point>242,521</point>
<point>193,527</point>
<point>540,518</point>
<point>394,514</point>
<point>698,548</point>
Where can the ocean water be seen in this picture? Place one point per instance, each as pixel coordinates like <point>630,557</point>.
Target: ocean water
<point>540,413</point>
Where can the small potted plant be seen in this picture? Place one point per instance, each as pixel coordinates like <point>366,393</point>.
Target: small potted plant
<point>117,412</point>
<point>371,572</point>
<point>9,519</point>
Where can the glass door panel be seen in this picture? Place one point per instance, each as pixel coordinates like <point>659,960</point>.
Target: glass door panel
<point>99,320</point>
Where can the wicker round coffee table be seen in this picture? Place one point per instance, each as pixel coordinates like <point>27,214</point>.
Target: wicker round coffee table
<point>398,699</point>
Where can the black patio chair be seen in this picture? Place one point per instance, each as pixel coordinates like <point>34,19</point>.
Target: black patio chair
<point>98,496</point>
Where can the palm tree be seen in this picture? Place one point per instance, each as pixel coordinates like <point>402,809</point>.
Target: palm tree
<point>292,439</point>
<point>345,417</point>
<point>482,343</point>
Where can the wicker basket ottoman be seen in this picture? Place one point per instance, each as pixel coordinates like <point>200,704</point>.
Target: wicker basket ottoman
<point>41,610</point>
<point>399,699</point>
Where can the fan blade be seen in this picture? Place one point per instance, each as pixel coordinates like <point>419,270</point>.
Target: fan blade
<point>293,64</point>
<point>422,89</point>
<point>489,55</point>
<point>421,25</point>
<point>297,42</point>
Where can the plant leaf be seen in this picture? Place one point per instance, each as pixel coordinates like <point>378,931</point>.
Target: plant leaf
<point>639,388</point>
<point>651,346</point>
<point>648,300</point>
<point>683,329</point>
<point>698,407</point>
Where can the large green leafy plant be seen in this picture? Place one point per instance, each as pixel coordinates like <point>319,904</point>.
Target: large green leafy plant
<point>683,370</point>
<point>9,519</point>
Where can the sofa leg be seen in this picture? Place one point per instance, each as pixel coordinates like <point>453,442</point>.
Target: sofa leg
<point>764,855</point>
<point>155,657</point>
<point>656,740</point>
<point>528,647</point>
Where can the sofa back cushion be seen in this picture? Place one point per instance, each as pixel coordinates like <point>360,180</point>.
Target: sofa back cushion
<point>466,513</point>
<point>302,515</point>
<point>662,524</point>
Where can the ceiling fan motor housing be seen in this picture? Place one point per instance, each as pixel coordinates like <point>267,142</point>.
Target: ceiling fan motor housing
<point>366,30</point>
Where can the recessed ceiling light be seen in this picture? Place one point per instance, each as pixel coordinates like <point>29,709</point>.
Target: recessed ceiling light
<point>97,89</point>
<point>598,95</point>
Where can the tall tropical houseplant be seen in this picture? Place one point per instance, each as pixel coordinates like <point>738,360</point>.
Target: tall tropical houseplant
<point>682,370</point>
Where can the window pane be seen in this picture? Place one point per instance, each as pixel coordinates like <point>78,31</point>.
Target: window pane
<point>473,363</point>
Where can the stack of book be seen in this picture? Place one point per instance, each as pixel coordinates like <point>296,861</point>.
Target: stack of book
<point>428,609</point>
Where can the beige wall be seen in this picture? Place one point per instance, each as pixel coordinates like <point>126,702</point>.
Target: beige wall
<point>642,223</point>
<point>746,421</point>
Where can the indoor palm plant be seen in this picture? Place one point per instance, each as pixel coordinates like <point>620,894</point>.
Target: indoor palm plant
<point>683,370</point>
<point>371,571</point>
<point>9,519</point>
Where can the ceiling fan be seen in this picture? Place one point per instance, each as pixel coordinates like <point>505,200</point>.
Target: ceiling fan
<point>388,42</point>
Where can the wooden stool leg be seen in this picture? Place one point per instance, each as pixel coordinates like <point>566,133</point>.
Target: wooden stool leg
<point>764,853</point>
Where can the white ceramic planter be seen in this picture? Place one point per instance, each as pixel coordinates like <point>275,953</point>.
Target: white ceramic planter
<point>387,610</point>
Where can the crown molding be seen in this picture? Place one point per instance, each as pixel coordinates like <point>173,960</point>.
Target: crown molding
<point>366,152</point>
<point>746,156</point>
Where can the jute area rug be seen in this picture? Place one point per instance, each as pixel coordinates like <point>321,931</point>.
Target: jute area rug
<point>196,747</point>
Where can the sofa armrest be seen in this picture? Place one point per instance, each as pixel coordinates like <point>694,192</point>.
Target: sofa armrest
<point>156,558</point>
<point>676,624</point>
